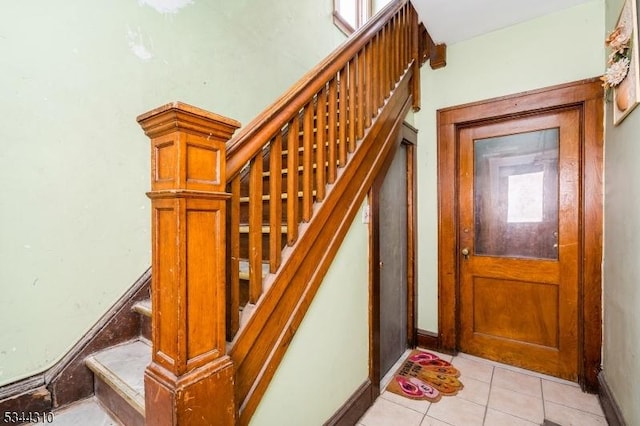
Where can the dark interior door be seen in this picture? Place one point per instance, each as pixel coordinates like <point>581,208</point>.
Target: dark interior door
<point>393,261</point>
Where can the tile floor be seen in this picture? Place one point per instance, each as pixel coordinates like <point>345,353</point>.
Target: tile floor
<point>494,395</point>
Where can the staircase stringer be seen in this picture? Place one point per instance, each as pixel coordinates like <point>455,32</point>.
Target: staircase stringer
<point>262,342</point>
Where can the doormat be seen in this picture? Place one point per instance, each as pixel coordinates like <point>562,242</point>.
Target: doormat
<point>424,376</point>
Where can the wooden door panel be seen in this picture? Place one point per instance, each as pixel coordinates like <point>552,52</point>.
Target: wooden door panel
<point>515,310</point>
<point>539,271</point>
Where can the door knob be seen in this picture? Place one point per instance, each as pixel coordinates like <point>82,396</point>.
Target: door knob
<point>465,252</point>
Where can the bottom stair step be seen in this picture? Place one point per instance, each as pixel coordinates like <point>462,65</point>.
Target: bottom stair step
<point>119,379</point>
<point>82,413</point>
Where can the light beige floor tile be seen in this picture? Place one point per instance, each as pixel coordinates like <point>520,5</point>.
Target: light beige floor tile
<point>518,382</point>
<point>498,418</point>
<point>457,411</point>
<point>430,421</point>
<point>523,406</point>
<point>475,391</point>
<point>385,413</point>
<point>420,406</point>
<point>571,396</point>
<point>473,368</point>
<point>567,416</point>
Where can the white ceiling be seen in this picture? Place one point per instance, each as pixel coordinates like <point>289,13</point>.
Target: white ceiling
<point>451,21</point>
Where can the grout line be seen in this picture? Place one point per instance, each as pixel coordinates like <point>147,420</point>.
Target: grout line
<point>486,407</point>
<point>544,405</point>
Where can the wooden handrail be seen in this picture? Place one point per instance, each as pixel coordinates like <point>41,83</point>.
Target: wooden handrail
<point>251,138</point>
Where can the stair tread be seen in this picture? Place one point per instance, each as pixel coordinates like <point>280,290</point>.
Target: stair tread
<point>122,367</point>
<point>85,412</point>
<point>143,307</point>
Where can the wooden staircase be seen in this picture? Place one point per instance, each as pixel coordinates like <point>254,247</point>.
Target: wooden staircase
<point>245,228</point>
<point>270,207</point>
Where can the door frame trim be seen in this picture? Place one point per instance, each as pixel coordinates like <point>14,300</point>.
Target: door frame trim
<point>586,96</point>
<point>408,137</point>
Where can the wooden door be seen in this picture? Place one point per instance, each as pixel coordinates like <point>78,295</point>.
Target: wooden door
<point>518,228</point>
<point>393,255</point>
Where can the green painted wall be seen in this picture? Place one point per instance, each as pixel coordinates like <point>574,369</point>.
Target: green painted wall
<point>74,165</point>
<point>621,346</point>
<point>328,358</point>
<point>557,48</point>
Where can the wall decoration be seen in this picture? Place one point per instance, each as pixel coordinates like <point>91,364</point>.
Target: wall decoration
<point>622,76</point>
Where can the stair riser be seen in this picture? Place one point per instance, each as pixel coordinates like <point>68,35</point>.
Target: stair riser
<point>117,405</point>
<point>145,327</point>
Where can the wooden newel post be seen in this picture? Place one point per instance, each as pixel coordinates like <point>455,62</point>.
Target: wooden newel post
<point>190,378</point>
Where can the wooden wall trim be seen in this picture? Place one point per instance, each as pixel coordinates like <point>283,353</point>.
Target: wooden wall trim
<point>69,380</point>
<point>428,340</point>
<point>586,95</point>
<point>410,139</point>
<point>611,409</point>
<point>355,407</point>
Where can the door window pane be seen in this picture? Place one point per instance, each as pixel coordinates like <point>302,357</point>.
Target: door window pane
<point>516,195</point>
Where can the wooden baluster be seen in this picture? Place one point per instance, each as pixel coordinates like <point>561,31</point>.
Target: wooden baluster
<point>256,193</point>
<point>342,117</point>
<point>321,141</point>
<point>385,60</point>
<point>332,122</point>
<point>404,45</point>
<point>275,204</point>
<point>400,43</point>
<point>393,52</point>
<point>375,76</point>
<point>369,85</point>
<point>233,243</point>
<point>415,56</point>
<point>380,64</point>
<point>190,378</point>
<point>382,84</point>
<point>292,180</point>
<point>352,93</point>
<point>397,59</point>
<point>361,92</point>
<point>307,163</point>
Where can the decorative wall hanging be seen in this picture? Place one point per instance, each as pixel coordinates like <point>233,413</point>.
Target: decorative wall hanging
<point>622,76</point>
